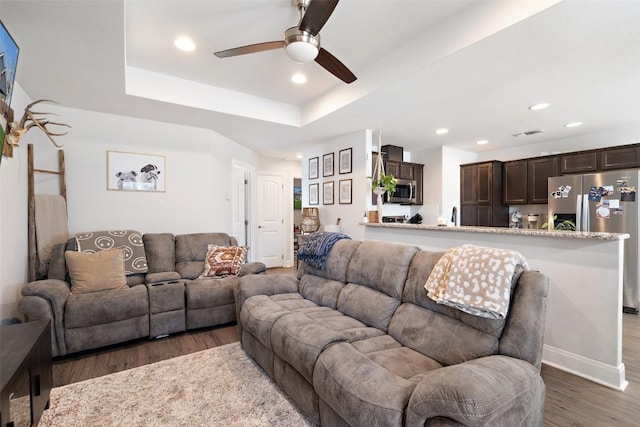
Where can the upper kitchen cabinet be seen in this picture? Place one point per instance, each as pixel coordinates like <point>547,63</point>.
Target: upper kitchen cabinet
<point>538,172</point>
<point>620,157</point>
<point>526,181</point>
<point>515,183</point>
<point>481,195</point>
<point>580,162</point>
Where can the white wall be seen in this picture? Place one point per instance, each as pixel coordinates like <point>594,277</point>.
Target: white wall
<point>198,183</point>
<point>441,181</point>
<point>350,214</point>
<point>13,221</point>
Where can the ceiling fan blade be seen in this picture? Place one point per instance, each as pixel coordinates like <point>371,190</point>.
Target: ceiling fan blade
<point>251,48</point>
<point>334,66</point>
<point>317,15</point>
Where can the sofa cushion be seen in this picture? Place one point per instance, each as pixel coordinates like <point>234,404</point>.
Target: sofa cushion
<point>337,262</point>
<point>381,266</point>
<point>161,252</point>
<point>372,307</point>
<point>207,293</point>
<point>322,291</point>
<point>414,292</point>
<point>191,250</point>
<point>440,337</point>
<point>135,260</point>
<point>96,308</point>
<point>369,389</point>
<point>99,271</point>
<point>223,260</point>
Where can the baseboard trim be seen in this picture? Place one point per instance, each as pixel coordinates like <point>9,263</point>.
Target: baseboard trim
<point>592,370</point>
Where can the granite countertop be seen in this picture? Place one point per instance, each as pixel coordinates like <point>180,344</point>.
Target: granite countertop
<point>506,230</point>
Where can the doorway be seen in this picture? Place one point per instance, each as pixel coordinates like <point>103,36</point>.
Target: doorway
<point>270,220</point>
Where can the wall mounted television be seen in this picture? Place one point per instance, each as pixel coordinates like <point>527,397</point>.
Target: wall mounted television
<point>8,63</point>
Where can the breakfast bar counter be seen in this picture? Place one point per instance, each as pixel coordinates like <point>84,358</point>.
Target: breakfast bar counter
<point>584,311</point>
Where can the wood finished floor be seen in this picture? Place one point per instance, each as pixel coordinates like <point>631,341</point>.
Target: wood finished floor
<point>570,400</point>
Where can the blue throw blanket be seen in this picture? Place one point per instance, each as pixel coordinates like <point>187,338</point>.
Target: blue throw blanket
<point>315,249</point>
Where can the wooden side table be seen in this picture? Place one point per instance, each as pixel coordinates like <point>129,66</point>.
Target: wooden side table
<point>25,352</point>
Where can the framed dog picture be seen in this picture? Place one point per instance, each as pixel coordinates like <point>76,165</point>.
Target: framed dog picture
<point>135,172</point>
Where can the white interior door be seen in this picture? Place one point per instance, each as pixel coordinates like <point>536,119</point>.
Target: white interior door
<point>270,220</point>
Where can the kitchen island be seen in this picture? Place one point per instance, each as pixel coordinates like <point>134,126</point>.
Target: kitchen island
<point>584,311</point>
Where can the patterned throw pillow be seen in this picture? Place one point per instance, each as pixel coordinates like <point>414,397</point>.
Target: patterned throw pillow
<point>223,260</point>
<point>135,260</point>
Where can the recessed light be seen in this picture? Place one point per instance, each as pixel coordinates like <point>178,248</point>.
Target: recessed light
<point>442,131</point>
<point>185,43</point>
<point>482,142</point>
<point>299,78</point>
<point>298,156</point>
<point>540,106</point>
<point>573,124</point>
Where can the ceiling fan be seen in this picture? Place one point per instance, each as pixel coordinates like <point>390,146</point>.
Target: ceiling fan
<point>302,43</point>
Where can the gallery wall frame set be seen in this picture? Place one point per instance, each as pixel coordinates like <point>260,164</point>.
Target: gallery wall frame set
<point>135,172</point>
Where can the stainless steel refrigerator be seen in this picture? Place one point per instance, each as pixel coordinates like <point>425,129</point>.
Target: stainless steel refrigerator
<point>606,202</point>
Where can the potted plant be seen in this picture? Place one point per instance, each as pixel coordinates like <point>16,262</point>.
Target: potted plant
<point>566,225</point>
<point>381,182</point>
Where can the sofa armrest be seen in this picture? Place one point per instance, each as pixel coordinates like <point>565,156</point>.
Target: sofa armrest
<point>263,284</point>
<point>45,299</point>
<point>252,268</point>
<point>494,390</point>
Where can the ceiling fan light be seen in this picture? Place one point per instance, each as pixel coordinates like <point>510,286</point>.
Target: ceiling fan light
<point>301,52</point>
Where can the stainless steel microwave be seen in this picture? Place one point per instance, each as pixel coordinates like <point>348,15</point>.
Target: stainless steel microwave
<point>405,192</point>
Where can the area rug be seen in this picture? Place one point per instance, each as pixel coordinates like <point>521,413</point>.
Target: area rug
<point>216,387</point>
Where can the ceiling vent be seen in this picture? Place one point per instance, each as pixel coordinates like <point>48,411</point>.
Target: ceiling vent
<point>529,132</point>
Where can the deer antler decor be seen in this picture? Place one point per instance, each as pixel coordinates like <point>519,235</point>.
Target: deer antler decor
<point>30,119</point>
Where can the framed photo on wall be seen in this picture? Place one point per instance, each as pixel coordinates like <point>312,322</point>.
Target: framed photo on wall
<point>313,168</point>
<point>135,171</point>
<point>327,165</point>
<point>344,192</point>
<point>344,161</point>
<point>313,193</point>
<point>327,193</point>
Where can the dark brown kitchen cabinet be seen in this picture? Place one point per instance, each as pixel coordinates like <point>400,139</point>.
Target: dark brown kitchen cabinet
<point>620,157</point>
<point>392,168</point>
<point>580,162</point>
<point>526,181</point>
<point>538,172</point>
<point>481,195</point>
<point>418,171</point>
<point>407,171</point>
<point>477,215</point>
<point>515,183</point>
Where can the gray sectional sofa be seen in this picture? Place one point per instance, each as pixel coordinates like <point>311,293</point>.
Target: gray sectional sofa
<point>359,343</point>
<point>168,298</point>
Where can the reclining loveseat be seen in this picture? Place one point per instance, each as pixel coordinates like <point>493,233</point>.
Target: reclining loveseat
<point>162,290</point>
<point>360,342</point>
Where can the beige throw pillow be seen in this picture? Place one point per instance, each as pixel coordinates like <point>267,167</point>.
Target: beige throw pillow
<point>99,271</point>
<point>223,260</point>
